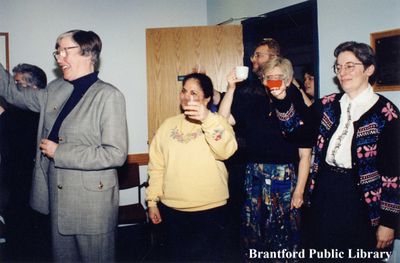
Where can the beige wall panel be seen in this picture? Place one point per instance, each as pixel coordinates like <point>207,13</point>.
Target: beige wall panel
<point>173,52</point>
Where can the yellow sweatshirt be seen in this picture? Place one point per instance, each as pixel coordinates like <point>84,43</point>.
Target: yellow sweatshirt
<point>186,171</point>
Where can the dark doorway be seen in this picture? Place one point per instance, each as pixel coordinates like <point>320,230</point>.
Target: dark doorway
<point>295,28</point>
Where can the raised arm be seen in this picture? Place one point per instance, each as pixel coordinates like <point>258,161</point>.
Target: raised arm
<point>23,98</point>
<point>226,103</point>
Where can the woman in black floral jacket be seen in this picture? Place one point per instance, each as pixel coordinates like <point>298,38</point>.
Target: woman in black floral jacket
<point>355,201</point>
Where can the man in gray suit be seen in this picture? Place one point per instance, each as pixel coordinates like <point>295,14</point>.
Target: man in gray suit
<point>82,138</point>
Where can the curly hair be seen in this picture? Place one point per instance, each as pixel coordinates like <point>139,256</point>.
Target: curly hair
<point>34,76</point>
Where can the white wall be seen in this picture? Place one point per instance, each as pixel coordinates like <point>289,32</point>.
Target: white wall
<point>343,20</point>
<point>338,21</point>
<point>34,26</point>
<point>121,24</point>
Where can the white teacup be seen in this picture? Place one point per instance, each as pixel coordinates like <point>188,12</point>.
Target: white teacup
<point>242,72</point>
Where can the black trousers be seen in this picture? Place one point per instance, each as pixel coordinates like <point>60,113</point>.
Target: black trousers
<point>194,236</point>
<point>338,216</point>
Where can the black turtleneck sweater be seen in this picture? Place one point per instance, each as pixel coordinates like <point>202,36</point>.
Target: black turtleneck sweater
<point>81,85</point>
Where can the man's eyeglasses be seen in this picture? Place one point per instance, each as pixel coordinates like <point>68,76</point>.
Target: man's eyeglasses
<point>348,67</point>
<point>63,52</point>
<point>258,55</point>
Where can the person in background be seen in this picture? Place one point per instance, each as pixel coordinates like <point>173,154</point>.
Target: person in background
<point>244,103</point>
<point>309,83</point>
<point>307,87</point>
<point>299,85</point>
<point>355,202</point>
<point>29,76</point>
<point>270,159</point>
<point>82,139</point>
<point>188,181</point>
<point>18,134</point>
<point>232,101</point>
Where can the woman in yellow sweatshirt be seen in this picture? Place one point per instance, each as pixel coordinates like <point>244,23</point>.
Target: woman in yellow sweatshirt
<point>188,187</point>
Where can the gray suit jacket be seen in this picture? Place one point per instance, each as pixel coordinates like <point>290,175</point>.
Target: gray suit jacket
<point>92,143</point>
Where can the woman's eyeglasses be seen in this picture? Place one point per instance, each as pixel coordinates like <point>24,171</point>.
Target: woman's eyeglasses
<point>63,52</point>
<point>347,67</point>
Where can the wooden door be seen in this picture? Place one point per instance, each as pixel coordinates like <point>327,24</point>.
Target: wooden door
<point>173,52</point>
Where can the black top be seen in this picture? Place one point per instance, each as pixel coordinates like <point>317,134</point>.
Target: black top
<point>81,85</point>
<point>257,128</point>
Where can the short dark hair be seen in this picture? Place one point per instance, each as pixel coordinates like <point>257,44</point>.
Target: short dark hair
<point>362,51</point>
<point>308,69</point>
<point>272,44</point>
<point>34,76</point>
<point>88,41</point>
<point>205,84</point>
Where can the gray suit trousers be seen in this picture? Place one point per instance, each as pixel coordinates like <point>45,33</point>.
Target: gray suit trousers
<point>77,248</point>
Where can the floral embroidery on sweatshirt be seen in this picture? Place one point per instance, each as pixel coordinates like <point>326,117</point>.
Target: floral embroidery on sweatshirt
<point>185,138</point>
<point>217,134</point>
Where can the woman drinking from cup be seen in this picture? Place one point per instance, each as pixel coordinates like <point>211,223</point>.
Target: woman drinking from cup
<point>188,187</point>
